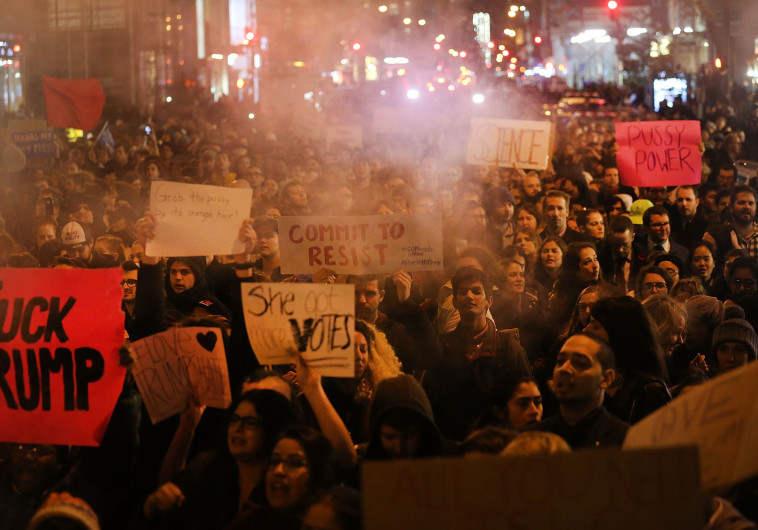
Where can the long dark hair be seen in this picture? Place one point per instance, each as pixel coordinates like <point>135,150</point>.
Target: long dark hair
<point>273,409</point>
<point>632,336</point>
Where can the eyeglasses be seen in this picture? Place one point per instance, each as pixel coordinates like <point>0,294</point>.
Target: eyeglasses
<point>659,225</point>
<point>747,284</point>
<point>291,465</point>
<point>654,285</point>
<point>130,282</point>
<point>250,423</point>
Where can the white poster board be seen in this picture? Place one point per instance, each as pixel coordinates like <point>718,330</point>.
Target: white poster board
<point>171,365</point>
<point>370,244</point>
<point>316,319</point>
<point>720,417</point>
<point>509,143</point>
<point>197,220</point>
<point>595,489</point>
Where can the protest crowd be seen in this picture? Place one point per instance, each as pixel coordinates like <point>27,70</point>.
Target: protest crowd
<point>569,306</point>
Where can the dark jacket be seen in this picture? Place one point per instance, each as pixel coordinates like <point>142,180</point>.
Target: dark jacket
<point>460,386</point>
<point>198,295</point>
<point>598,429</point>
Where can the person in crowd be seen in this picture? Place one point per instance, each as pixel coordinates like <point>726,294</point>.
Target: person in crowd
<point>688,224</point>
<point>549,263</point>
<point>407,328</point>
<point>475,354</point>
<point>657,230</point>
<point>401,423</point>
<point>641,384</point>
<point>703,264</point>
<point>617,257</point>
<point>228,478</point>
<point>529,218</point>
<point>743,286</point>
<point>556,210</point>
<point>584,371</point>
<point>741,231</point>
<point>375,361</point>
<point>515,402</point>
<point>652,280</point>
<point>528,243</point>
<point>590,222</point>
<point>734,343</point>
<point>579,270</point>
<point>300,464</point>
<point>670,264</point>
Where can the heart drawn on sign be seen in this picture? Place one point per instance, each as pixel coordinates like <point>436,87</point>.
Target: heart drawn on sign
<point>207,340</point>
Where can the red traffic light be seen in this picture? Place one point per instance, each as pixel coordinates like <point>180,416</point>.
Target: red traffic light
<point>249,34</point>
<point>612,4</point>
<point>356,46</point>
<point>537,39</point>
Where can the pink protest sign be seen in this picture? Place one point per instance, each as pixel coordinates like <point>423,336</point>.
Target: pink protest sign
<point>658,153</point>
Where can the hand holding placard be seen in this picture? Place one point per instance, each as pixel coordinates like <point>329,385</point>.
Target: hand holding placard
<point>211,214</point>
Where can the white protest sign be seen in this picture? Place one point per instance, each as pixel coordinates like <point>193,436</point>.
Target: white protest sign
<point>720,417</point>
<point>350,135</point>
<point>197,220</point>
<point>508,143</point>
<point>171,365</point>
<point>596,489</point>
<point>360,244</point>
<point>316,319</point>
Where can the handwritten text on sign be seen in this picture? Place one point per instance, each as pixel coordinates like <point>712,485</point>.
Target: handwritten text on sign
<point>316,319</point>
<point>171,365</point>
<point>525,144</point>
<point>658,153</point>
<point>720,417</point>
<point>642,489</point>
<point>361,245</point>
<point>197,220</point>
<point>59,372</point>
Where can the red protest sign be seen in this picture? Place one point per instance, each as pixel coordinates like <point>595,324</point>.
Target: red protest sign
<point>658,153</point>
<point>60,331</point>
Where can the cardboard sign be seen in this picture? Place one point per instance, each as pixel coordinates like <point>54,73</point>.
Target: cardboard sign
<point>596,489</point>
<point>59,340</point>
<point>197,220</point>
<point>508,143</point>
<point>170,366</point>
<point>360,245</point>
<point>316,319</point>
<point>658,153</point>
<point>720,417</point>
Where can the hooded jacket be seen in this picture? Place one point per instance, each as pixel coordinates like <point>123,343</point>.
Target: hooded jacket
<point>196,296</point>
<point>402,392</point>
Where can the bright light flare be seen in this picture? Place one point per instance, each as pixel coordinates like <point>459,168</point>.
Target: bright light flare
<point>413,94</point>
<point>478,98</point>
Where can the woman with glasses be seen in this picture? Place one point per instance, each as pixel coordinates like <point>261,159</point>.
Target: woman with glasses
<point>217,485</point>
<point>300,464</point>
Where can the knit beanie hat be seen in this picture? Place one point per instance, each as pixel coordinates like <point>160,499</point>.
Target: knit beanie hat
<point>737,330</point>
<point>65,507</point>
<point>707,309</point>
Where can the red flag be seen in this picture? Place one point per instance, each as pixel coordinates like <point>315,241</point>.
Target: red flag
<point>74,103</point>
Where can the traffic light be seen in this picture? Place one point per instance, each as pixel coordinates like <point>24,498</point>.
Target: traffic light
<point>613,9</point>
<point>356,46</point>
<point>537,39</point>
<point>249,35</point>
